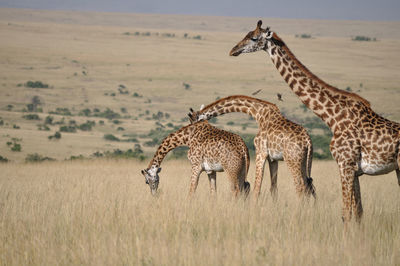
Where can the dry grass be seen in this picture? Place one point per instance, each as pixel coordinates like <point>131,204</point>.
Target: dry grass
<point>101,213</point>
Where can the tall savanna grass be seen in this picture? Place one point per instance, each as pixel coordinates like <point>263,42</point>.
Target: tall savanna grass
<point>101,212</point>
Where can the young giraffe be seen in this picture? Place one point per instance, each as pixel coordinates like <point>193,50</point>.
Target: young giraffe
<point>363,142</point>
<point>211,150</point>
<point>277,139</point>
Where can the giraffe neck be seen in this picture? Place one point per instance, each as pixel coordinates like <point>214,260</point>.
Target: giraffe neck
<point>178,138</point>
<point>324,100</point>
<point>241,104</point>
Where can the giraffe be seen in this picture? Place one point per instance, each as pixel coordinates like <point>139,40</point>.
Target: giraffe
<point>211,150</point>
<point>277,139</point>
<point>363,142</point>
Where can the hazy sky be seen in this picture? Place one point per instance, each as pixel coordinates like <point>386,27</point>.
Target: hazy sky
<point>313,9</point>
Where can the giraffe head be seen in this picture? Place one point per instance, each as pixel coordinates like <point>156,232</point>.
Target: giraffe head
<point>258,39</point>
<point>195,116</point>
<point>152,178</point>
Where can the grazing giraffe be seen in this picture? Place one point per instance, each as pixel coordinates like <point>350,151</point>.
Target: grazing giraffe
<point>210,149</point>
<point>363,142</point>
<point>277,139</point>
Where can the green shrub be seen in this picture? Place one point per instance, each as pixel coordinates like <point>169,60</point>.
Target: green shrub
<point>16,126</point>
<point>36,84</point>
<point>16,147</point>
<point>56,135</point>
<point>136,153</point>
<point>3,159</point>
<point>35,157</point>
<point>48,120</point>
<point>31,117</point>
<point>363,39</point>
<point>111,137</point>
<point>69,129</point>
<point>304,36</point>
<point>230,123</point>
<point>61,111</point>
<point>87,126</point>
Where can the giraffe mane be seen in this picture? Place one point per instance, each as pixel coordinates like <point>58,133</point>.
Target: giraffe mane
<point>314,77</point>
<point>241,97</point>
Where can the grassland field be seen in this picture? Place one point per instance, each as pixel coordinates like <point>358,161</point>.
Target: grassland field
<point>132,74</point>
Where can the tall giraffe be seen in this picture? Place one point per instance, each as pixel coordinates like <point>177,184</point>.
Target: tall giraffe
<point>211,150</point>
<point>363,142</point>
<point>277,139</point>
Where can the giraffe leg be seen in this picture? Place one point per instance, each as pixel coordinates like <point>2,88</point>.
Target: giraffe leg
<point>212,177</point>
<point>273,170</point>
<point>356,199</point>
<point>260,162</point>
<point>295,170</point>
<point>196,170</point>
<point>351,194</point>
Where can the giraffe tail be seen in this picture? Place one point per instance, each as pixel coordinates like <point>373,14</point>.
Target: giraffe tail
<point>246,183</point>
<point>310,189</point>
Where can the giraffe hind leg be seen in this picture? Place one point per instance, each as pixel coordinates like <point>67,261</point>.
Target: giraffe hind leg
<point>273,170</point>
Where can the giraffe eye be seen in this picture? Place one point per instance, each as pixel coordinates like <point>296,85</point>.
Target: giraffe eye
<point>254,39</point>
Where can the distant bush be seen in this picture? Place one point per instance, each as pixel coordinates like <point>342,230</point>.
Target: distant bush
<point>136,153</point>
<point>304,36</point>
<point>197,37</point>
<point>69,129</point>
<point>56,135</point>
<point>61,111</point>
<point>3,159</point>
<point>48,120</point>
<point>111,137</point>
<point>87,126</point>
<point>16,147</point>
<point>16,126</point>
<point>9,107</point>
<point>36,84</point>
<point>364,39</point>
<point>186,86</point>
<point>230,123</point>
<point>321,146</point>
<point>35,157</point>
<point>31,117</point>
<point>179,152</point>
<point>120,129</point>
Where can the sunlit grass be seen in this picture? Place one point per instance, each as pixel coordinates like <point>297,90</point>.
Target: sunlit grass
<point>101,213</point>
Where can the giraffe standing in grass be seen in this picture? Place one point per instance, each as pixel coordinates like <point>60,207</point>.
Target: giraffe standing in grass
<point>277,139</point>
<point>363,142</point>
<point>211,150</point>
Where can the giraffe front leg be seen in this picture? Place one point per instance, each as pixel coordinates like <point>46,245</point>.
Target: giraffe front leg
<point>351,194</point>
<point>196,170</point>
<point>212,178</point>
<point>273,170</point>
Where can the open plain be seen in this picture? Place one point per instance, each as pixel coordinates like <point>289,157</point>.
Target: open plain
<point>109,82</point>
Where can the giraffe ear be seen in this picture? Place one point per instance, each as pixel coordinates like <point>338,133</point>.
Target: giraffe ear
<point>202,107</point>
